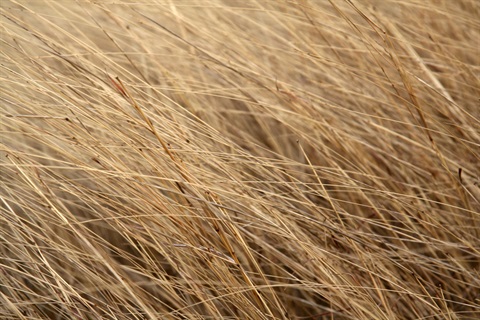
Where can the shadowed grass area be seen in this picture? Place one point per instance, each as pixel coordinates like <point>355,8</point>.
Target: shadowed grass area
<point>240,159</point>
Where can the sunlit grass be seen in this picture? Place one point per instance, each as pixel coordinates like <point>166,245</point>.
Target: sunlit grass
<point>240,160</point>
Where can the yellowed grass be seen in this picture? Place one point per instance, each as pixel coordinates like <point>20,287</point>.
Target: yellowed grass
<point>229,159</point>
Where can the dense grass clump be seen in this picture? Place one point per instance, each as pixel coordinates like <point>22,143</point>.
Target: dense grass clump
<point>221,159</point>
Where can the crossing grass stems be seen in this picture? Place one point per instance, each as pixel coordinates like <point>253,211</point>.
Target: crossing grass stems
<point>240,160</point>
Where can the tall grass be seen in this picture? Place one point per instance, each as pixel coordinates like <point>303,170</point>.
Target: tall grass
<point>240,159</point>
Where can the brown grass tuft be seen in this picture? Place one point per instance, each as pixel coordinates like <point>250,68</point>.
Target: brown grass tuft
<point>219,159</point>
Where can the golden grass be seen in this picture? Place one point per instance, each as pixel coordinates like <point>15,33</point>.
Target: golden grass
<point>212,159</point>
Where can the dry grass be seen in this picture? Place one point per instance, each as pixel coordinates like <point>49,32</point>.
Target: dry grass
<point>211,159</point>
